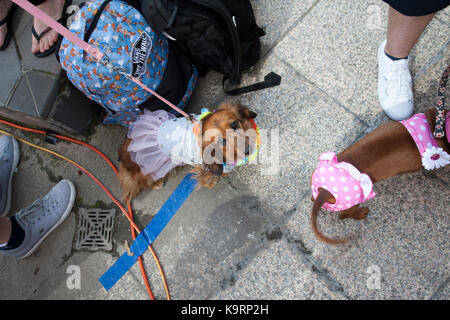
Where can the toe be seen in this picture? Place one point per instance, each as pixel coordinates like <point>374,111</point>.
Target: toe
<point>48,43</point>
<point>34,45</point>
<point>42,44</point>
<point>55,37</point>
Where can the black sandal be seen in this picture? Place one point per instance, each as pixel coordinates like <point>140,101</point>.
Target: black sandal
<point>38,37</point>
<point>8,20</point>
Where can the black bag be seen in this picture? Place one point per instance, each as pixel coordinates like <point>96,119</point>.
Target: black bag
<point>215,34</point>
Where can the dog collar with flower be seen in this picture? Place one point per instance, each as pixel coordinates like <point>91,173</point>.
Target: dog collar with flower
<point>433,157</point>
<point>197,120</point>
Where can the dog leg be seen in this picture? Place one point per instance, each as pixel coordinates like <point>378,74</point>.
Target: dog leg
<point>354,212</point>
<point>157,185</point>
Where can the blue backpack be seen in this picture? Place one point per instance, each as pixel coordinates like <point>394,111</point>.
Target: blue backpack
<point>121,32</point>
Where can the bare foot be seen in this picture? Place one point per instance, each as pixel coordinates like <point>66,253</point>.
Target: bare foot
<point>5,6</point>
<point>54,9</point>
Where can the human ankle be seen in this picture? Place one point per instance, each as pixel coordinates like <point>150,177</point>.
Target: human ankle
<point>16,237</point>
<point>5,230</point>
<point>394,58</point>
<point>395,54</point>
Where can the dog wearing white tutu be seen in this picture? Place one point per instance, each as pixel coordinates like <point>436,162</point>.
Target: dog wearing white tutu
<point>213,142</point>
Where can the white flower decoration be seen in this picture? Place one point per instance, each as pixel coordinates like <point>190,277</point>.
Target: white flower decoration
<point>435,158</point>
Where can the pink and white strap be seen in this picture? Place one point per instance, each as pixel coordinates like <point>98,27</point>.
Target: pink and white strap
<point>96,53</point>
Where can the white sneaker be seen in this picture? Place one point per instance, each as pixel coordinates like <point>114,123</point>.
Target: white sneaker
<point>394,86</point>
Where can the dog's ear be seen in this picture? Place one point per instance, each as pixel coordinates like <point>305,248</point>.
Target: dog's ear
<point>245,112</point>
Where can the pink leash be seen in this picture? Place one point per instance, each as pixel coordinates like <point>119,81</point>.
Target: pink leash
<point>96,53</point>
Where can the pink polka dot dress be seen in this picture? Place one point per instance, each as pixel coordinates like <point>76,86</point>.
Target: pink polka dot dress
<point>347,185</point>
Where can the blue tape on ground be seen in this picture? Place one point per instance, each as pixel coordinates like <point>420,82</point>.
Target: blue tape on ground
<point>150,233</point>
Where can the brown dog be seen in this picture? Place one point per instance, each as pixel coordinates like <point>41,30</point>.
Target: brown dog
<point>386,152</point>
<point>215,126</point>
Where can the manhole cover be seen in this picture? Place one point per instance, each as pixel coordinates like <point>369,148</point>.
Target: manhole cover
<point>95,229</point>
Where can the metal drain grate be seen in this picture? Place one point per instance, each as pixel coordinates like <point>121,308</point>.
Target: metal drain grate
<point>95,229</point>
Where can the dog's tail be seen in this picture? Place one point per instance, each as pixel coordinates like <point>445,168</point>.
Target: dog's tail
<point>322,197</point>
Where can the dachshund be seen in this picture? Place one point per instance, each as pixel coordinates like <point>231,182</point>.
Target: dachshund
<point>213,144</point>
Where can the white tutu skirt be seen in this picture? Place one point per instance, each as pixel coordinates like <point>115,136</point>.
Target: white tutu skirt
<point>144,147</point>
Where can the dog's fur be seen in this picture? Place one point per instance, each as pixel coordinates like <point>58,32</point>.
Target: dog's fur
<point>229,116</point>
<point>386,152</point>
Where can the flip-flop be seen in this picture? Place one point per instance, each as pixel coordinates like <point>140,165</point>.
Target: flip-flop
<point>38,37</point>
<point>8,20</point>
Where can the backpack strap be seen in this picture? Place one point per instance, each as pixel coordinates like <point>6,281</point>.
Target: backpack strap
<point>235,77</point>
<point>94,22</point>
<point>270,80</point>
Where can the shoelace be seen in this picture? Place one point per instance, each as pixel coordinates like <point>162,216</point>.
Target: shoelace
<point>398,85</point>
<point>37,210</point>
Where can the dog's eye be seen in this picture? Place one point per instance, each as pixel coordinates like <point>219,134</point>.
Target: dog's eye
<point>234,125</point>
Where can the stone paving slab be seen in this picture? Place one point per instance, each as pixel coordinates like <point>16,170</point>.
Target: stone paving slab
<point>60,285</point>
<point>277,18</point>
<point>341,58</point>
<point>404,235</point>
<point>10,64</point>
<point>205,243</point>
<point>28,96</point>
<point>278,274</point>
<point>308,123</point>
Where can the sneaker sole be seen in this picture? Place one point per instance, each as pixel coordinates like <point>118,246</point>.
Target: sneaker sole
<point>63,217</point>
<point>11,174</point>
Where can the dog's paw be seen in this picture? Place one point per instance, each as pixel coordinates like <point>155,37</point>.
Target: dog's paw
<point>362,214</point>
<point>157,185</point>
<point>205,178</point>
<point>354,213</point>
<point>210,181</point>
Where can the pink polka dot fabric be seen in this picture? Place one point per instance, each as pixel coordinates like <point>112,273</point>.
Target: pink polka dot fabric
<point>420,131</point>
<point>347,185</point>
<point>433,157</point>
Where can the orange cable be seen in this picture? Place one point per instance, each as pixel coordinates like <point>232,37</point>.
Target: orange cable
<point>128,215</point>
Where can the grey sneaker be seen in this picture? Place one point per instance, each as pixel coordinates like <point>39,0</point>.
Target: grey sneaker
<point>9,158</point>
<point>42,217</point>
